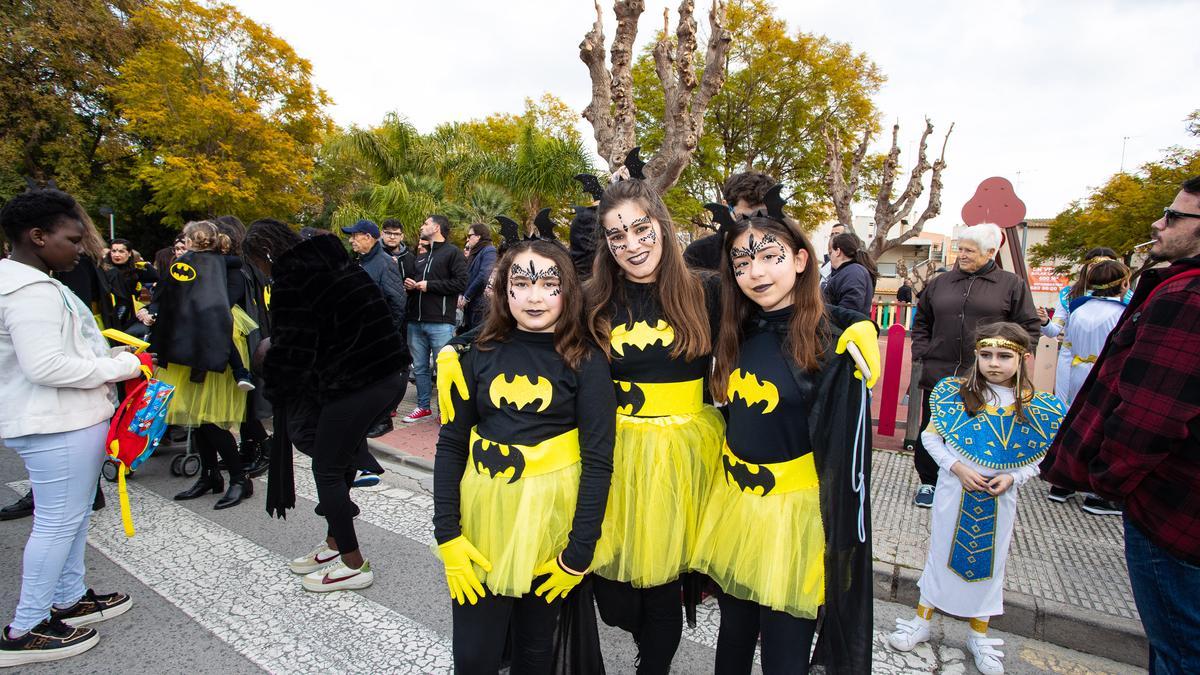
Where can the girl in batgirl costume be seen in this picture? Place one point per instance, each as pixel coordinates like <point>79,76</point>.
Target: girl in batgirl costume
<point>988,432</point>
<point>523,462</point>
<point>651,314</point>
<point>194,332</point>
<point>785,530</point>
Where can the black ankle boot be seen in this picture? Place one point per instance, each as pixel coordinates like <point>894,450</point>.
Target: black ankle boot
<point>239,489</point>
<point>207,483</point>
<point>259,459</point>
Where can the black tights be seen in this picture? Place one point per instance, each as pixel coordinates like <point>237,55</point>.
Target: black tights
<point>654,615</point>
<point>210,441</point>
<point>786,640</point>
<point>252,429</point>
<point>481,630</point>
<point>927,468</point>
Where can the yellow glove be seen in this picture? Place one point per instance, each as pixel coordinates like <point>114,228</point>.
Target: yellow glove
<point>561,580</point>
<point>866,338</point>
<point>460,556</point>
<point>449,376</point>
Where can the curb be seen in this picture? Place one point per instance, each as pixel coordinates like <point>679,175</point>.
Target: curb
<point>401,457</point>
<point>1111,637</point>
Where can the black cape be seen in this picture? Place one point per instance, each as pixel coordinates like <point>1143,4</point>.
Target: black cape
<point>194,326</point>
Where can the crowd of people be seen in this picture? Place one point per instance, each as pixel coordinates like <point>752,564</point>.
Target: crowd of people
<point>627,426</point>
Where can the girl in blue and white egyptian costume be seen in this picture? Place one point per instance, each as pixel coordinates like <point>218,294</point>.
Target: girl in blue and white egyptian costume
<point>987,441</point>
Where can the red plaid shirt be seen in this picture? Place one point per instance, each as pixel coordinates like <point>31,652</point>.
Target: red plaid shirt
<point>1133,432</point>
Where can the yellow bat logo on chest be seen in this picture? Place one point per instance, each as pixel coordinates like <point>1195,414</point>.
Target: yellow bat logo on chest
<point>521,391</point>
<point>641,335</point>
<point>746,386</point>
<point>183,272</point>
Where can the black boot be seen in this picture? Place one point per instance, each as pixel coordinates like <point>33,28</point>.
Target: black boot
<point>239,489</point>
<point>207,483</point>
<point>18,509</point>
<point>259,459</point>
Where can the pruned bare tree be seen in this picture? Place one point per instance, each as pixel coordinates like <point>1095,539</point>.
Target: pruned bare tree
<point>919,274</point>
<point>612,112</point>
<point>888,213</point>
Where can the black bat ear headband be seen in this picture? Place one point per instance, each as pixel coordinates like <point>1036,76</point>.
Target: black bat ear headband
<point>723,217</point>
<point>590,184</point>
<point>774,202</point>
<point>633,166</point>
<point>510,231</point>
<point>545,226</point>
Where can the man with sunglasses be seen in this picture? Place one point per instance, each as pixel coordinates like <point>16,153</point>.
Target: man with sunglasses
<point>1133,436</point>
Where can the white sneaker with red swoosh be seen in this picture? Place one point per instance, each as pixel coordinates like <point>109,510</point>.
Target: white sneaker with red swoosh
<point>319,558</point>
<point>339,577</point>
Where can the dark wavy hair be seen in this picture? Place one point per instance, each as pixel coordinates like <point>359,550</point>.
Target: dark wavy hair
<point>570,339</point>
<point>680,290</point>
<point>808,330</point>
<point>852,247</point>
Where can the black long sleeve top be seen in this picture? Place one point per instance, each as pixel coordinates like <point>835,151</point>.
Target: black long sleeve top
<point>583,400</point>
<point>769,405</point>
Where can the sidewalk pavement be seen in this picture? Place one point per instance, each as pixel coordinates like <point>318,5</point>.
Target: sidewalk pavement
<point>1066,580</point>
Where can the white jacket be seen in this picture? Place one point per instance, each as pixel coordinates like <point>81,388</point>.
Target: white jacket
<point>55,372</point>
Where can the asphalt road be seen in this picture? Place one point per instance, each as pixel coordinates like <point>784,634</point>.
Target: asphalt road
<point>212,593</point>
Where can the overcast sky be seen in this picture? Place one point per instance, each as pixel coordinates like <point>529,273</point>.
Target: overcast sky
<point>1041,92</point>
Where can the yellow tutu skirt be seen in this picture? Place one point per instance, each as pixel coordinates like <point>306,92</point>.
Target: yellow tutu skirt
<point>662,470</point>
<point>517,526</point>
<point>769,550</point>
<point>216,400</point>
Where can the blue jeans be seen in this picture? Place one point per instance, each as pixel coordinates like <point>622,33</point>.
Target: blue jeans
<point>425,339</point>
<point>1167,592</point>
<point>63,469</point>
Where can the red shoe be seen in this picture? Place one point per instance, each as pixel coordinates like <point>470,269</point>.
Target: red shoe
<point>417,415</point>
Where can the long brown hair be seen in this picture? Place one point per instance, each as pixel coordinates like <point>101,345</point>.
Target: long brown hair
<point>570,340</point>
<point>1093,256</point>
<point>852,247</point>
<point>680,291</point>
<point>808,330</point>
<point>974,390</point>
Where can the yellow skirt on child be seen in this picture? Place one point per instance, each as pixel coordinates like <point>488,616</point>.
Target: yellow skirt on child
<point>662,470</point>
<point>768,549</point>
<point>216,400</point>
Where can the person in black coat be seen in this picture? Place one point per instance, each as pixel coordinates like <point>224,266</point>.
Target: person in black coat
<point>851,282</point>
<point>479,270</point>
<point>332,366</point>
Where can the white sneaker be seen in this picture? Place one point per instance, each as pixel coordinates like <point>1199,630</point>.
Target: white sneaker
<point>909,633</point>
<point>320,557</point>
<point>988,659</point>
<point>339,577</point>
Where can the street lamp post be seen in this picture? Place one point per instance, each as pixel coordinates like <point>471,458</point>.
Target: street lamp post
<point>107,211</point>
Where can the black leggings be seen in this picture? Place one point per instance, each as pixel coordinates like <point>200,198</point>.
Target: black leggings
<point>654,615</point>
<point>786,640</point>
<point>210,441</point>
<point>927,468</point>
<point>481,630</point>
<point>336,434</point>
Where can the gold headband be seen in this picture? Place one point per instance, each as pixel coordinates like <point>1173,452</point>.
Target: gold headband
<point>1097,259</point>
<point>1111,284</point>
<point>1000,343</point>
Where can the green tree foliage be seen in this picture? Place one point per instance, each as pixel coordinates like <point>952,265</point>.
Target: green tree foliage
<point>1118,214</point>
<point>58,62</point>
<point>224,114</point>
<point>779,90</point>
<point>470,171</point>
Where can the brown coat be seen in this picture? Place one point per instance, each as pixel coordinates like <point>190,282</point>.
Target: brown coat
<point>953,305</point>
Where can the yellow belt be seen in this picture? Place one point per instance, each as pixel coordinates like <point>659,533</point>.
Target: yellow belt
<point>774,478</point>
<point>521,461</point>
<point>659,399</point>
<point>1083,359</point>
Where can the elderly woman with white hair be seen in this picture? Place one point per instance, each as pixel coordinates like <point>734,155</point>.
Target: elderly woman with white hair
<point>974,293</point>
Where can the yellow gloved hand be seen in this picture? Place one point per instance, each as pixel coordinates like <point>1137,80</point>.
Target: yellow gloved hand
<point>561,580</point>
<point>449,376</point>
<point>459,556</point>
<point>864,336</point>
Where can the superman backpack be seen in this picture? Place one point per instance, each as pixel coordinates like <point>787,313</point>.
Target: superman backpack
<point>136,428</point>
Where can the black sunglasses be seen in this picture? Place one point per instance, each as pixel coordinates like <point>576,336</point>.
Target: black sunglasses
<point>1171,215</point>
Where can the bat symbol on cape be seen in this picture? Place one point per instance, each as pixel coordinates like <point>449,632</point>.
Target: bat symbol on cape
<point>641,335</point>
<point>630,398</point>
<point>182,272</point>
<point>745,386</point>
<point>521,391</point>
<point>496,458</point>
<point>748,479</point>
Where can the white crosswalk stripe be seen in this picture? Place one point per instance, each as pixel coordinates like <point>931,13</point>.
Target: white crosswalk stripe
<point>247,597</point>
